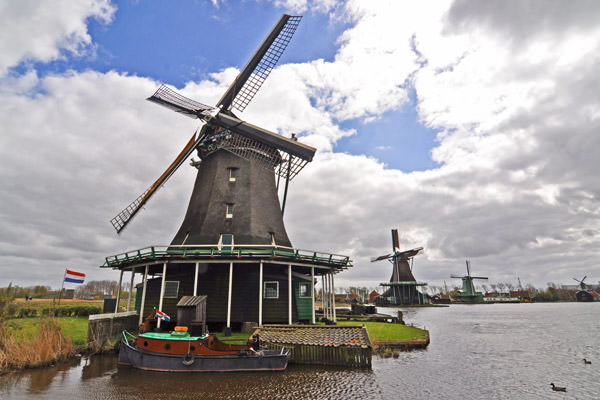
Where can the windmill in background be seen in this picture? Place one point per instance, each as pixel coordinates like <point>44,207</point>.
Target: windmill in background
<point>586,294</point>
<point>468,294</point>
<point>402,287</point>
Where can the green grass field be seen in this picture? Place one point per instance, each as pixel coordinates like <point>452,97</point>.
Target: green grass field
<point>384,331</point>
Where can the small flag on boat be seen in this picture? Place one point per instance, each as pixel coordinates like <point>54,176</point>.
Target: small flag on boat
<point>74,277</point>
<point>162,315</point>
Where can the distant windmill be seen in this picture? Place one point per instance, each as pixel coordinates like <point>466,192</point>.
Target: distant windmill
<point>402,285</point>
<point>468,294</point>
<point>585,293</point>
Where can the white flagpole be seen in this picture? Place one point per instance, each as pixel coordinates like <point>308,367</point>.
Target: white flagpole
<point>62,287</point>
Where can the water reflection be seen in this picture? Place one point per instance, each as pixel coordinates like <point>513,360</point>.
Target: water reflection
<point>486,351</point>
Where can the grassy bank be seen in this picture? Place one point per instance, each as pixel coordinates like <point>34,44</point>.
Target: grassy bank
<point>34,345</point>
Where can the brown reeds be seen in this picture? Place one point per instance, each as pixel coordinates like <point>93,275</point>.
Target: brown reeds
<point>48,347</point>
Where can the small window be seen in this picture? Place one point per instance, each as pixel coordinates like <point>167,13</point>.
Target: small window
<point>304,290</point>
<point>232,174</point>
<point>226,241</point>
<point>171,289</point>
<point>271,290</point>
<point>229,210</point>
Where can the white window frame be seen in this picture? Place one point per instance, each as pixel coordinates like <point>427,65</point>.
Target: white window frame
<point>232,174</point>
<point>265,290</point>
<point>307,296</point>
<point>220,245</point>
<point>229,210</point>
<point>176,291</point>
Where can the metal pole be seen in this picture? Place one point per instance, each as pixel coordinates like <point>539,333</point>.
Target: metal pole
<point>62,286</point>
<point>143,295</point>
<point>287,181</point>
<point>323,295</point>
<point>196,280</point>
<point>119,292</point>
<point>333,290</point>
<point>290,294</point>
<point>312,293</point>
<point>229,296</point>
<point>130,289</point>
<point>162,292</point>
<point>260,292</point>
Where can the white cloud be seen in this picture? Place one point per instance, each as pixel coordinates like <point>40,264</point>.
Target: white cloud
<point>40,31</point>
<point>516,191</point>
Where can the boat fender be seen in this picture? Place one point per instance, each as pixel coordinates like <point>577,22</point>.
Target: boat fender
<point>188,359</point>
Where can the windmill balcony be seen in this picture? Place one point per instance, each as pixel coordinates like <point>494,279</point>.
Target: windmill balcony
<point>172,253</point>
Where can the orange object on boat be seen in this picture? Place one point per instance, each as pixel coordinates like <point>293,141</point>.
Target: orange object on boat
<point>181,328</point>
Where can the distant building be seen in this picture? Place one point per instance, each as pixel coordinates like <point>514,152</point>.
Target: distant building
<point>372,296</point>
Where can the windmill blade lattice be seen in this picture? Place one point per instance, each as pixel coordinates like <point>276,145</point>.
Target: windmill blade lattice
<point>243,89</point>
<point>169,98</point>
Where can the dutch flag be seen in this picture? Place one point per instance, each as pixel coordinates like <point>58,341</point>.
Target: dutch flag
<point>162,315</point>
<point>74,277</point>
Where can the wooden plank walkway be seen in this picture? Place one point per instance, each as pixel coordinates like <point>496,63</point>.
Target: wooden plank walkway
<point>322,345</point>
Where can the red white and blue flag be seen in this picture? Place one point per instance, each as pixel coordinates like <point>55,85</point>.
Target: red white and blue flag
<point>162,315</point>
<point>74,277</point>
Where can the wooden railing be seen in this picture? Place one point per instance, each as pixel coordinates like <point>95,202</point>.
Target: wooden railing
<point>198,252</point>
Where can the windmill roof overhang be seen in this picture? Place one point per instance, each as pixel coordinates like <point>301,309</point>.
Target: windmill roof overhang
<point>324,262</point>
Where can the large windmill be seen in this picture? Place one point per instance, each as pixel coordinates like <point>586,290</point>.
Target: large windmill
<point>402,287</point>
<point>232,244</point>
<point>468,294</point>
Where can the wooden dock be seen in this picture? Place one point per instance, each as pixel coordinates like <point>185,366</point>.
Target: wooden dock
<point>321,345</point>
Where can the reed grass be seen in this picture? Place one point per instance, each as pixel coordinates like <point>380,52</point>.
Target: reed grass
<point>48,347</point>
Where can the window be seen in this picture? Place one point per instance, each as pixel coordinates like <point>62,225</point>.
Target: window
<point>229,210</point>
<point>271,290</point>
<point>171,289</point>
<point>232,174</point>
<point>226,241</point>
<point>304,290</point>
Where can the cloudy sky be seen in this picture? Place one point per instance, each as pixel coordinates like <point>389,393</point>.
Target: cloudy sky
<point>470,126</point>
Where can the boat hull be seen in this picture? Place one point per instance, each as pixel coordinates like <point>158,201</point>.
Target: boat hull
<point>265,360</point>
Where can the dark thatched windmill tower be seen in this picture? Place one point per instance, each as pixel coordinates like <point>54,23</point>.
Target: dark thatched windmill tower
<point>402,287</point>
<point>232,245</point>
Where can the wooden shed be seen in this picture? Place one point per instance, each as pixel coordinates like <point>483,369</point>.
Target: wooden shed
<point>191,312</point>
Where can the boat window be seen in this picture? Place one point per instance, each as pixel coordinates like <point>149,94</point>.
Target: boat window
<point>304,290</point>
<point>229,210</point>
<point>171,289</point>
<point>271,290</point>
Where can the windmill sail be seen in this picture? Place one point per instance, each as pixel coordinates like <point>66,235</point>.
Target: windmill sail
<point>169,98</point>
<point>251,78</point>
<point>122,219</point>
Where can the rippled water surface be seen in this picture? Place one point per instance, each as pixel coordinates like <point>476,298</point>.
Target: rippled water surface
<point>500,351</point>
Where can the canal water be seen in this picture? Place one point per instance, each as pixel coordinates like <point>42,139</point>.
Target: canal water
<point>497,351</point>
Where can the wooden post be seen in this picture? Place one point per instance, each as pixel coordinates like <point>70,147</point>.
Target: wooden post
<point>290,294</point>
<point>312,292</point>
<point>119,292</point>
<point>260,292</point>
<point>229,296</point>
<point>196,280</point>
<point>143,295</point>
<point>162,292</point>
<point>130,289</point>
<point>333,291</point>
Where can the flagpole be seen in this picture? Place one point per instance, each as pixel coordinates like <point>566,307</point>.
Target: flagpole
<point>62,286</point>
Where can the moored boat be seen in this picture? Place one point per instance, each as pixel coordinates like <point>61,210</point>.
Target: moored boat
<point>178,351</point>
